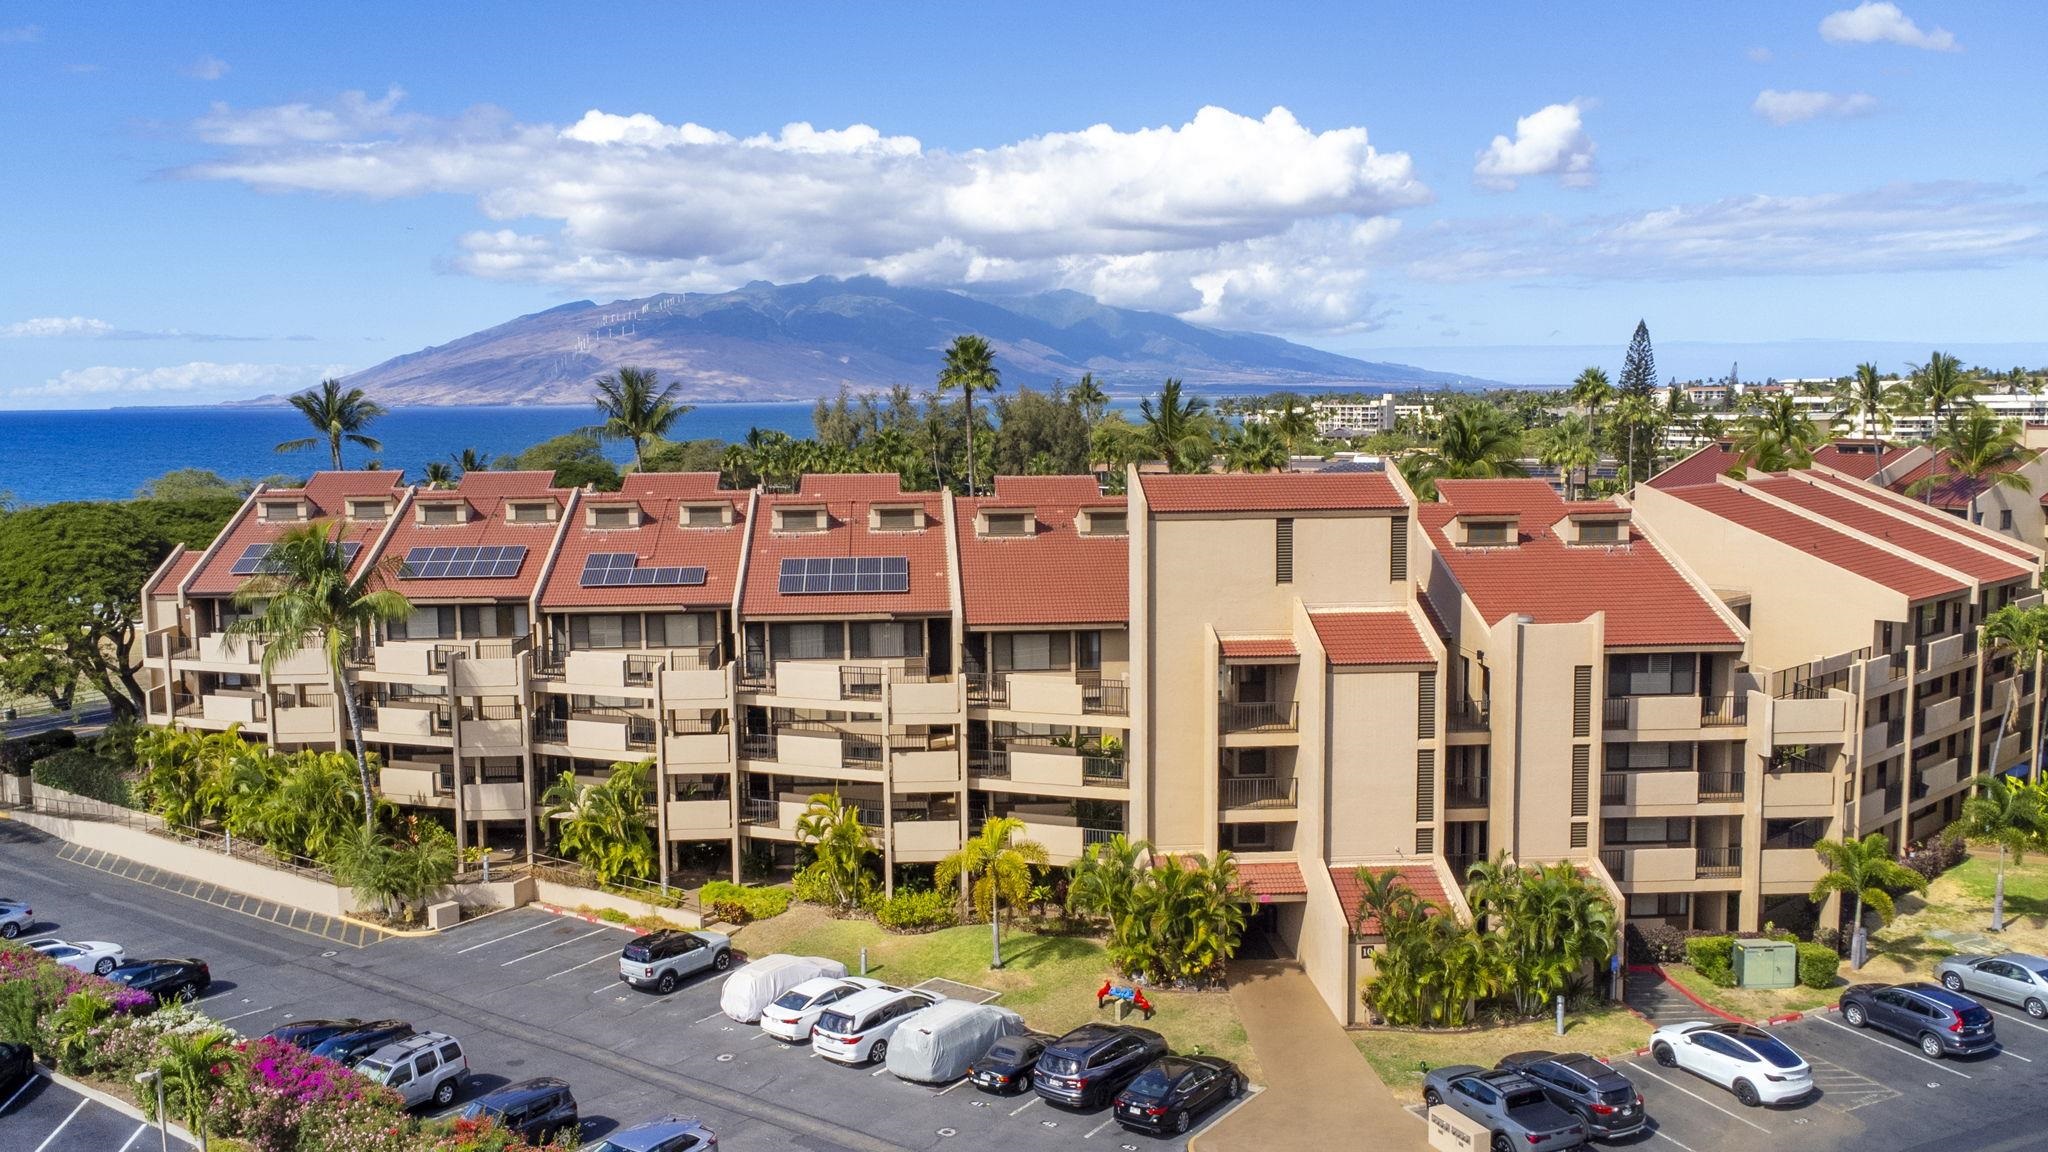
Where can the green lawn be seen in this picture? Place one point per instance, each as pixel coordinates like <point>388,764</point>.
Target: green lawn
<point>1401,1058</point>
<point>1754,1004</point>
<point>1959,901</point>
<point>1051,980</point>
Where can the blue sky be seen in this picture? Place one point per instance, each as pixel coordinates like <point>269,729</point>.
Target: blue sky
<point>196,207</point>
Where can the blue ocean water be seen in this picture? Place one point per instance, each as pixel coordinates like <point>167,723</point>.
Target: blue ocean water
<point>107,455</point>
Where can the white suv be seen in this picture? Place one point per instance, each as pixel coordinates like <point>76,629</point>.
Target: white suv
<point>857,1029</point>
<point>423,1067</point>
<point>795,1011</point>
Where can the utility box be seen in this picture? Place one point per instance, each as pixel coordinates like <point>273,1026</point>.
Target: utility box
<point>1453,1131</point>
<point>1766,964</point>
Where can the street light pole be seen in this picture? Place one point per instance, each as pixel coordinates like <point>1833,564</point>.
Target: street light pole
<point>162,1125</point>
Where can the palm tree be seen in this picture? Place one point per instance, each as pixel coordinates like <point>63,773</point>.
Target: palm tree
<point>1254,448</point>
<point>305,598</point>
<point>1177,431</point>
<point>2021,633</point>
<point>1592,392</point>
<point>311,811</point>
<point>1633,412</point>
<point>1865,870</point>
<point>399,874</point>
<point>1382,896</point>
<point>338,415</point>
<point>995,867</point>
<point>1773,434</point>
<point>1870,399</point>
<point>1474,441</point>
<point>637,406</point>
<point>604,826</point>
<point>193,1066</point>
<point>1568,447</point>
<point>1105,879</point>
<point>439,475</point>
<point>1979,448</point>
<point>2009,815</point>
<point>1089,397</point>
<point>470,460</point>
<point>1295,424</point>
<point>841,845</point>
<point>1941,383</point>
<point>970,367</point>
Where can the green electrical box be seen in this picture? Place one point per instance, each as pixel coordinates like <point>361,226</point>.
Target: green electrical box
<point>1766,964</point>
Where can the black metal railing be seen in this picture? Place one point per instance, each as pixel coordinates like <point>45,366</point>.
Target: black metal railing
<point>1721,786</point>
<point>490,711</point>
<point>1466,790</point>
<point>1257,716</point>
<point>1241,792</point>
<point>1104,695</point>
<point>1719,711</point>
<point>755,810</point>
<point>1615,711</point>
<point>757,745</point>
<point>1468,716</point>
<point>1614,788</point>
<point>1615,860</point>
<point>1102,772</point>
<point>1786,760</point>
<point>989,764</point>
<point>1717,863</point>
<point>694,725</point>
<point>989,688</point>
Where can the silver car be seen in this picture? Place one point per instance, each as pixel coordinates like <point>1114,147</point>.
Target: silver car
<point>2013,977</point>
<point>16,917</point>
<point>422,1067</point>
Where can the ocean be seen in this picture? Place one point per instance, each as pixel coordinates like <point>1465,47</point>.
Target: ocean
<point>107,455</point>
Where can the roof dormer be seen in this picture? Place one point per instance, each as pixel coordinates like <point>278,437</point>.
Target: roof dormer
<point>1104,522</point>
<point>532,511</point>
<point>802,518</point>
<point>1594,529</point>
<point>282,511</point>
<point>440,513</point>
<point>1001,522</point>
<point>713,514</point>
<point>1486,530</point>
<point>612,517</point>
<point>368,508</point>
<point>895,517</point>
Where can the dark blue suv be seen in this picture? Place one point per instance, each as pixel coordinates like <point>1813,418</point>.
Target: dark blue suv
<point>1087,1067</point>
<point>1941,1022</point>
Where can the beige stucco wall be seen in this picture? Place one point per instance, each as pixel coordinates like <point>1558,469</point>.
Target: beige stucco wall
<point>1325,948</point>
<point>1532,735</point>
<point>1370,773</point>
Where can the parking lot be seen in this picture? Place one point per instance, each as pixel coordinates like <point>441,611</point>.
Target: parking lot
<point>41,1116</point>
<point>535,994</point>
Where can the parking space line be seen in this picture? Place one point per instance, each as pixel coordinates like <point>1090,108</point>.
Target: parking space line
<point>1660,1132</point>
<point>1226,1110</point>
<point>551,947</point>
<point>250,1012</point>
<point>26,1081</point>
<point>2015,1019</point>
<point>506,936</point>
<point>878,1071</point>
<point>607,986</point>
<point>585,964</point>
<point>713,1016</point>
<point>1024,1105</point>
<point>1700,1098</point>
<point>134,1136</point>
<point>54,1132</point>
<point>950,1087</point>
<point>1901,1051</point>
<point>1098,1128</point>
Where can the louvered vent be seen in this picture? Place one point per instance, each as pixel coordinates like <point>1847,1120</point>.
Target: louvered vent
<point>1425,705</point>
<point>1578,835</point>
<point>1397,552</point>
<point>1582,779</point>
<point>1425,841</point>
<point>1283,551</point>
<point>1582,700</point>
<point>1425,784</point>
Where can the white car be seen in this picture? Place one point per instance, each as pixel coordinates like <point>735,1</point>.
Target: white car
<point>857,1029</point>
<point>15,918</point>
<point>1742,1058</point>
<point>95,956</point>
<point>795,1011</point>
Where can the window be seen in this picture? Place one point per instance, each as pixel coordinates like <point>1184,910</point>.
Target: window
<point>529,511</point>
<point>606,631</point>
<point>1641,830</point>
<point>807,641</point>
<point>493,620</point>
<point>1485,535</point>
<point>886,639</point>
<point>1249,835</point>
<point>678,630</point>
<point>1651,674</point>
<point>1006,523</point>
<point>1599,532</point>
<point>428,622</point>
<point>367,509</point>
<point>614,516</point>
<point>1660,904</point>
<point>426,1062</point>
<point>1252,762</point>
<point>1648,756</point>
<point>441,513</point>
<point>705,515</point>
<point>1106,522</point>
<point>1088,651</point>
<point>1030,651</point>
<point>281,510</point>
<point>799,519</point>
<point>1283,551</point>
<point>899,519</point>
<point>1397,550</point>
<point>2005,520</point>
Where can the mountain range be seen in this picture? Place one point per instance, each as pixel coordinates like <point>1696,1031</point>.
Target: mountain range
<point>768,342</point>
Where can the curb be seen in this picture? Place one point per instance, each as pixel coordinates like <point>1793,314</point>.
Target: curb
<point>586,917</point>
<point>1682,990</point>
<point>108,1100</point>
<point>395,933</point>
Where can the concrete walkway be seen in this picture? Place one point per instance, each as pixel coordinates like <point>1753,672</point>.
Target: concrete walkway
<point>1319,1092</point>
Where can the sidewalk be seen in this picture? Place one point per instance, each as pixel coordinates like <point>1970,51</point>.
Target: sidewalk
<point>1318,1089</point>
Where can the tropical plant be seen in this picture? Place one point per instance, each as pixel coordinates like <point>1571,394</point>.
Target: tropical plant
<point>1980,450</point>
<point>72,1027</point>
<point>1774,433</point>
<point>1474,441</point>
<point>194,1066</point>
<point>1089,397</point>
<point>1254,448</point>
<point>1865,871</point>
<point>840,847</point>
<point>1870,399</point>
<point>604,826</point>
<point>1634,421</point>
<point>470,460</point>
<point>637,406</point>
<point>996,869</point>
<point>970,367</point>
<point>305,598</point>
<point>2009,815</point>
<point>1551,922</point>
<point>1186,919</point>
<point>2022,634</point>
<point>1568,447</point>
<point>1294,423</point>
<point>1104,881</point>
<point>175,773</point>
<point>338,415</point>
<point>438,475</point>
<point>399,874</point>
<point>1591,391</point>
<point>1176,431</point>
<point>1939,384</point>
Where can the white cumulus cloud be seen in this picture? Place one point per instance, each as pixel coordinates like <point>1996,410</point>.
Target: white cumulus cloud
<point>1879,22</point>
<point>1550,141</point>
<point>1226,218</point>
<point>55,326</point>
<point>1795,105</point>
<point>207,68</point>
<point>196,379</point>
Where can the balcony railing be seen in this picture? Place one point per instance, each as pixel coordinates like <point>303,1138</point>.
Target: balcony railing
<point>1615,860</point>
<point>757,745</point>
<point>550,729</point>
<point>1261,716</point>
<point>861,683</point>
<point>1614,711</point>
<point>1614,788</point>
<point>1718,863</point>
<point>1721,786</point>
<point>1091,835</point>
<point>1242,792</point>
<point>756,810</point>
<point>490,711</point>
<point>694,726</point>
<point>1469,716</point>
<point>1720,711</point>
<point>1104,695</point>
<point>1785,760</point>
<point>1102,772</point>
<point>1469,790</point>
<point>989,688</point>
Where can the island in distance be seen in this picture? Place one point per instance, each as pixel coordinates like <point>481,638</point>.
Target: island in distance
<point>767,342</point>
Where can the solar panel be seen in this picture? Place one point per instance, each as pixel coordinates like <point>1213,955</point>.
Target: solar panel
<point>622,570</point>
<point>489,562</point>
<point>810,575</point>
<point>256,558</point>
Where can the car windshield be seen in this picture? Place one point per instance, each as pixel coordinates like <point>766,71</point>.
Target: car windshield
<point>478,1110</point>
<point>1058,1065</point>
<point>835,1022</point>
<point>793,1000</point>
<point>1770,1048</point>
<point>1974,1015</point>
<point>2038,968</point>
<point>374,1069</point>
<point>1150,1082</point>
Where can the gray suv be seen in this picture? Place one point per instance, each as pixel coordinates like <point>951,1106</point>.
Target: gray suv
<point>660,960</point>
<point>2012,977</point>
<point>428,1066</point>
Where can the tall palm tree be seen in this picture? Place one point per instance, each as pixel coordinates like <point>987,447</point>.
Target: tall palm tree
<point>1089,397</point>
<point>1870,399</point>
<point>1568,447</point>
<point>970,367</point>
<point>2009,815</point>
<point>996,867</point>
<point>1979,448</point>
<point>338,415</point>
<point>1177,431</point>
<point>1864,870</point>
<point>1633,413</point>
<point>1773,434</point>
<point>604,825</point>
<point>1295,424</point>
<point>1591,391</point>
<point>1254,448</point>
<point>194,1066</point>
<point>470,460</point>
<point>438,475</point>
<point>841,845</point>
<point>305,598</point>
<point>637,406</point>
<point>1941,383</point>
<point>2022,633</point>
<point>1474,441</point>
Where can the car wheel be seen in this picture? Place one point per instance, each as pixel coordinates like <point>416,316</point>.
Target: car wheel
<point>1236,1087</point>
<point>1430,1097</point>
<point>1931,1045</point>
<point>445,1094</point>
<point>879,1052</point>
<point>1501,1143</point>
<point>1024,1082</point>
<point>1952,982</point>
<point>188,994</point>
<point>2036,1009</point>
<point>1853,1014</point>
<point>1745,1092</point>
<point>722,961</point>
<point>10,931</point>
<point>666,984</point>
<point>105,966</point>
<point>1180,1124</point>
<point>1663,1055</point>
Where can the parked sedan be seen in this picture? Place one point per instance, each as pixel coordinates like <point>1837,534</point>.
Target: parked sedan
<point>351,1046</point>
<point>166,979</point>
<point>1007,1065</point>
<point>667,1134</point>
<point>310,1034</point>
<point>1587,1088</point>
<point>2010,977</point>
<point>1745,1059</point>
<point>1172,1089</point>
<point>796,1011</point>
<point>1513,1107</point>
<point>16,917</point>
<point>1941,1022</point>
<point>95,956</point>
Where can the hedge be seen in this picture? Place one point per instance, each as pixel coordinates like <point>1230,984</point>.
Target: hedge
<point>18,754</point>
<point>1818,965</point>
<point>1714,958</point>
<point>742,903</point>
<point>83,773</point>
<point>925,911</point>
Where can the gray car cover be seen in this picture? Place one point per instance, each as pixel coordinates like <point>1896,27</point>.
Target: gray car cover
<point>938,1043</point>
<point>760,982</point>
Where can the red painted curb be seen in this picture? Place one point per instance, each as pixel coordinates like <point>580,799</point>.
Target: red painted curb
<point>1786,1018</point>
<point>588,919</point>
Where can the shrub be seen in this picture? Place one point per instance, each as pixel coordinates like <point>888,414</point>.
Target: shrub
<point>1829,938</point>
<point>813,885</point>
<point>916,911</point>
<point>613,916</point>
<point>1935,856</point>
<point>116,743</point>
<point>83,773</point>
<point>1818,964</point>
<point>1713,957</point>
<point>18,754</point>
<point>1655,943</point>
<point>741,903</point>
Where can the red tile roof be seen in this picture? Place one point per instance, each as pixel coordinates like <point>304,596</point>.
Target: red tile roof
<point>1699,468</point>
<point>486,494</point>
<point>1842,457</point>
<point>847,500</point>
<point>1071,490</point>
<point>1057,576</point>
<point>694,484</point>
<point>1258,648</point>
<point>482,484</point>
<point>1270,879</point>
<point>1271,492</point>
<point>1914,537</point>
<point>1646,600</point>
<point>1947,522</point>
<point>1945,489</point>
<point>175,571</point>
<point>660,541</point>
<point>1420,879</point>
<point>326,494</point>
<point>1356,639</point>
<point>1889,569</point>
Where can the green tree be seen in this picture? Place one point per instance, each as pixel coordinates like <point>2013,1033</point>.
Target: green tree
<point>604,826</point>
<point>438,475</point>
<point>192,484</point>
<point>1773,434</point>
<point>1591,391</point>
<point>470,460</point>
<point>2009,815</point>
<point>194,1067</point>
<point>305,598</point>
<point>1177,431</point>
<point>402,875</point>
<point>1639,366</point>
<point>685,456</point>
<point>1036,433</point>
<point>1940,384</point>
<point>1633,428</point>
<point>1865,871</point>
<point>1980,450</point>
<point>1474,441</point>
<point>996,867</point>
<point>1185,922</point>
<point>1254,448</point>
<point>193,522</point>
<point>72,1026</point>
<point>970,367</point>
<point>2021,634</point>
<point>1294,423</point>
<point>71,576</point>
<point>1634,419</point>
<point>1870,399</point>
<point>1104,881</point>
<point>576,458</point>
<point>1114,444</point>
<point>338,415</point>
<point>1089,397</point>
<point>311,811</point>
<point>1568,447</point>
<point>638,407</point>
<point>840,847</point>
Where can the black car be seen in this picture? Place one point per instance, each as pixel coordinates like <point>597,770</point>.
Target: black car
<point>1087,1067</point>
<point>534,1109</point>
<point>310,1034</point>
<point>352,1045</point>
<point>165,979</point>
<point>17,1063</point>
<point>1006,1066</point>
<point>1941,1022</point>
<point>1605,1099</point>
<point>1171,1089</point>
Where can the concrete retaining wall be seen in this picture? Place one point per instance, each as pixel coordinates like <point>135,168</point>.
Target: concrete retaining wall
<point>202,864</point>
<point>565,896</point>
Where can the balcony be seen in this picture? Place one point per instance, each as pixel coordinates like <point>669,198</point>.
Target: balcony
<point>604,730</point>
<point>1724,711</point>
<point>1814,720</point>
<point>1256,793</point>
<point>988,764</point>
<point>1652,864</point>
<point>492,730</point>
<point>693,819</point>
<point>1717,863</point>
<point>1881,737</point>
<point>415,786</point>
<point>1937,717</point>
<point>926,839</point>
<point>1720,787</point>
<point>1799,789</point>
<point>1677,789</point>
<point>1651,714</point>
<point>401,718</point>
<point>500,801</point>
<point>697,742</point>
<point>1941,777</point>
<point>1066,693</point>
<point>815,746</point>
<point>989,689</point>
<point>1796,868</point>
<point>1945,654</point>
<point>1877,804</point>
<point>1468,716</point>
<point>314,722</point>
<point>1236,717</point>
<point>1466,790</point>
